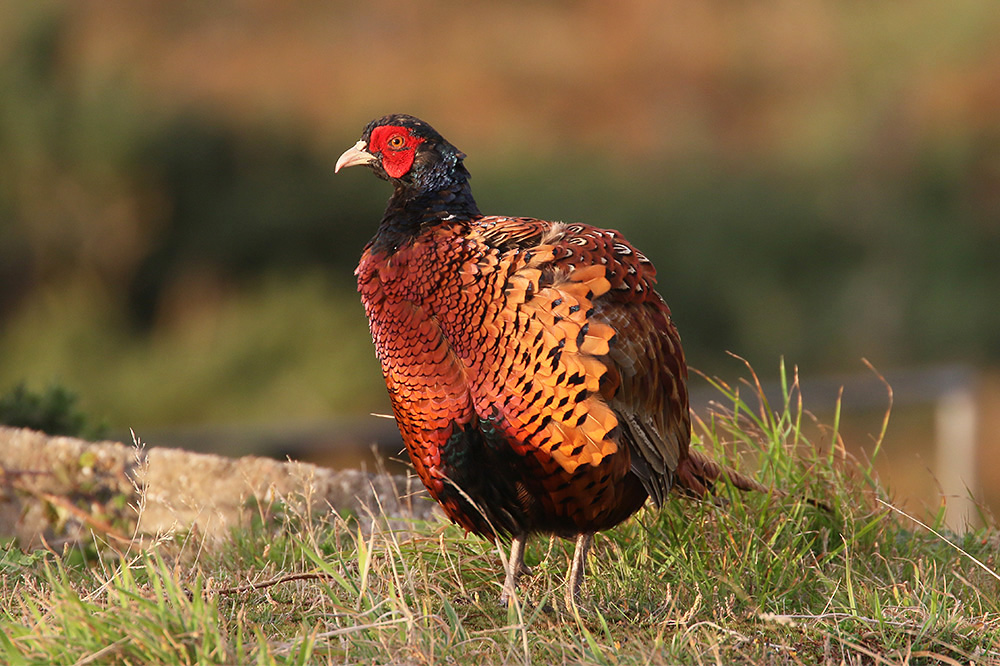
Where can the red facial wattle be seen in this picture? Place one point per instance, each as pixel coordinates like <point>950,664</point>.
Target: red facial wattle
<point>397,146</point>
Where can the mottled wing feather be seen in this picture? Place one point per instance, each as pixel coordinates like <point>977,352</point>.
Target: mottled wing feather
<point>594,359</point>
<point>544,389</point>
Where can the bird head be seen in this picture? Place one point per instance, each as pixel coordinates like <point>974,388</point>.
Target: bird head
<point>406,151</point>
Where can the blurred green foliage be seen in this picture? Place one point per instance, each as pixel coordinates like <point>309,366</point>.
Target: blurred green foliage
<point>186,264</point>
<point>823,268</point>
<point>53,411</point>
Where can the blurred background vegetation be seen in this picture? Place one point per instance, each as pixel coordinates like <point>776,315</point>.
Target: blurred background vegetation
<point>818,181</point>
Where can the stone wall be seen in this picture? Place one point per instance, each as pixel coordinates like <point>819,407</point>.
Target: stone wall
<point>61,489</point>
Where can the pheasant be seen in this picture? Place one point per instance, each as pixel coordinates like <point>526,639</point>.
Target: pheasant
<point>535,374</point>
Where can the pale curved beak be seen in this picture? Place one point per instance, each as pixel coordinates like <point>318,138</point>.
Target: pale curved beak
<point>353,156</point>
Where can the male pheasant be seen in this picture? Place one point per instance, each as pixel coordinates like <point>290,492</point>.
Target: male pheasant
<point>535,374</point>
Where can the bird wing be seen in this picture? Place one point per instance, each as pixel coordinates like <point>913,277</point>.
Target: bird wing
<point>587,360</point>
<point>651,399</point>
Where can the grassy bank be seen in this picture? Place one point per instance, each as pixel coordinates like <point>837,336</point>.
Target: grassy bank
<point>749,579</point>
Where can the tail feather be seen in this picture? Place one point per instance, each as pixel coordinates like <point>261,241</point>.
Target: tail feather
<point>697,473</point>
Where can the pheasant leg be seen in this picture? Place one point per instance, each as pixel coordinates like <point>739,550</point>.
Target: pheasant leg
<point>574,580</point>
<point>515,567</point>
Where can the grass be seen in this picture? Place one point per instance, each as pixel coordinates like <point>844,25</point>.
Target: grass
<point>748,579</point>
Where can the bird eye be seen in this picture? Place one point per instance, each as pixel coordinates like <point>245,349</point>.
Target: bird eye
<point>396,141</point>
